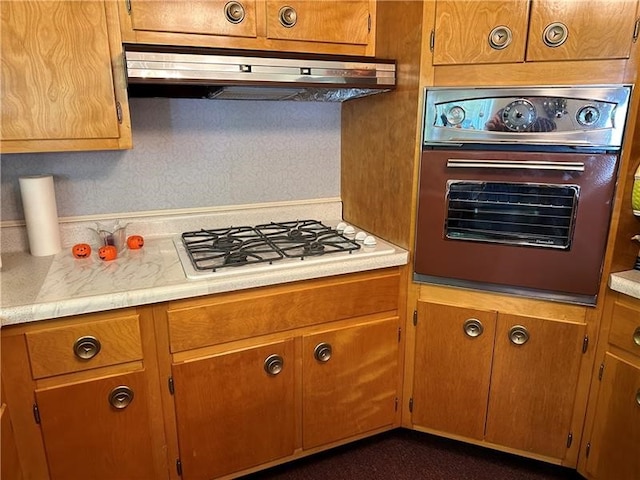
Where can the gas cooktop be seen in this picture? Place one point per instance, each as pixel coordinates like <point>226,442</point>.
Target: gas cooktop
<point>244,250</point>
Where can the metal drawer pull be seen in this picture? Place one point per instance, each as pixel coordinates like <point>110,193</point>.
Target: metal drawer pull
<point>518,335</point>
<point>636,336</point>
<point>515,164</point>
<point>120,397</point>
<point>473,327</point>
<point>638,397</point>
<point>273,364</point>
<point>288,17</point>
<point>86,347</point>
<point>234,12</point>
<point>322,352</point>
<point>500,37</point>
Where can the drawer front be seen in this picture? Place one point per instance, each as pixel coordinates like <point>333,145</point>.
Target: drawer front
<point>229,317</point>
<point>625,327</point>
<point>82,346</point>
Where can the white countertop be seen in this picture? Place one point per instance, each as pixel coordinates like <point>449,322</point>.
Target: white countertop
<point>37,288</point>
<point>627,282</point>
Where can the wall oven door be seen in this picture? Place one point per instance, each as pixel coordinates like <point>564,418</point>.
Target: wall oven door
<point>521,222</point>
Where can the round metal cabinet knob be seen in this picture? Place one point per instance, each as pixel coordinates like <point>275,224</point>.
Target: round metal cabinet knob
<point>518,335</point>
<point>500,37</point>
<point>288,17</point>
<point>473,327</point>
<point>234,12</point>
<point>322,352</point>
<point>636,336</point>
<point>555,34</point>
<point>273,364</point>
<point>120,397</point>
<point>86,347</point>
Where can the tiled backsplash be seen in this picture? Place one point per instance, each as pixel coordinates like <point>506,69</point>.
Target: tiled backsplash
<point>194,154</point>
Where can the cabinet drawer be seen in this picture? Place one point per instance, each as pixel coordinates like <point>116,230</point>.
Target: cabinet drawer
<point>82,346</point>
<point>234,316</point>
<point>625,326</point>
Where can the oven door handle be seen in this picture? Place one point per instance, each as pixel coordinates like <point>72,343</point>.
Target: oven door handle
<point>515,164</point>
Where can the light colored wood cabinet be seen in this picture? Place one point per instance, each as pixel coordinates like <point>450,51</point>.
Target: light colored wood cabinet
<point>86,413</point>
<point>470,32</point>
<point>331,26</point>
<point>497,378</point>
<point>612,436</point>
<point>274,372</point>
<point>63,86</point>
<point>10,468</point>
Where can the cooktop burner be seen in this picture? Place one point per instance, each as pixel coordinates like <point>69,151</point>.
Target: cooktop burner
<point>212,249</point>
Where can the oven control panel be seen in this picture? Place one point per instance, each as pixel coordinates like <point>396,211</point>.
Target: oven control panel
<point>579,116</point>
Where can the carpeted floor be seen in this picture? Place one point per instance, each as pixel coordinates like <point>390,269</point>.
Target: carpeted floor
<point>408,455</point>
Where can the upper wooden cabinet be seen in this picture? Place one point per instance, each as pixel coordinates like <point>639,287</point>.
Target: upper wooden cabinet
<point>471,32</point>
<point>63,86</point>
<point>331,26</point>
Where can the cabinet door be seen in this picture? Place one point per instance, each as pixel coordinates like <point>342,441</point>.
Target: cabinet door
<point>330,21</point>
<point>579,30</point>
<point>232,414</point>
<point>615,439</point>
<point>533,383</point>
<point>10,468</point>
<point>88,432</point>
<point>57,80</point>
<point>350,378</point>
<point>454,347</point>
<point>480,32</point>
<point>212,17</point>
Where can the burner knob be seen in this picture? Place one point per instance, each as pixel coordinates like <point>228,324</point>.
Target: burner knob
<point>349,231</point>
<point>360,236</point>
<point>341,226</point>
<point>369,241</point>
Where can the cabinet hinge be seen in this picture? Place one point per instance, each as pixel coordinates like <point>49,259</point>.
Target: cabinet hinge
<point>636,30</point>
<point>119,111</point>
<point>601,371</point>
<point>369,24</point>
<point>411,405</point>
<point>569,439</point>
<point>585,343</point>
<point>171,387</point>
<point>128,5</point>
<point>36,413</point>
<point>432,40</point>
<point>179,467</point>
<point>587,450</point>
<point>399,334</point>
<point>415,318</point>
<point>396,404</point>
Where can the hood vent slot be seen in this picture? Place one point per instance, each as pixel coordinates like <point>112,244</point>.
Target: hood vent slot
<point>219,74</point>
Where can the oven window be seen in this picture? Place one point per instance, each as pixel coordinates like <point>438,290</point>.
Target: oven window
<point>540,215</point>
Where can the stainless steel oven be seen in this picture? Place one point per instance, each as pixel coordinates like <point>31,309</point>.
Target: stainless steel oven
<point>516,188</point>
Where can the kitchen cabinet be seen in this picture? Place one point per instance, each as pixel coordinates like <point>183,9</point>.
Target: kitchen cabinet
<point>84,396</point>
<point>260,376</point>
<point>63,86</point>
<point>471,32</point>
<point>333,26</point>
<point>613,442</point>
<point>10,468</point>
<point>496,377</point>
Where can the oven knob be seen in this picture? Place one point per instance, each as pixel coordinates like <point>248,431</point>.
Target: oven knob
<point>455,115</point>
<point>519,115</point>
<point>349,231</point>
<point>588,116</point>
<point>340,227</point>
<point>369,241</point>
<point>360,236</point>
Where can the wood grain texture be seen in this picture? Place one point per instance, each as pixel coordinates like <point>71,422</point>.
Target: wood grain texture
<point>229,317</point>
<point>231,414</point>
<point>533,385</point>
<point>355,390</point>
<point>51,350</point>
<point>598,29</point>
<point>624,322</point>
<point>463,28</point>
<point>451,383</point>
<point>10,468</point>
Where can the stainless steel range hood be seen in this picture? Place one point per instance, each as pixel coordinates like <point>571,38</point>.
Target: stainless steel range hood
<point>162,71</point>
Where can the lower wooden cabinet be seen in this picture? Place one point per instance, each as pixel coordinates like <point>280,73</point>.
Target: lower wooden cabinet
<point>496,378</point>
<point>10,468</point>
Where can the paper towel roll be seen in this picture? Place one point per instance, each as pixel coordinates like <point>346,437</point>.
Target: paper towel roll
<point>40,214</point>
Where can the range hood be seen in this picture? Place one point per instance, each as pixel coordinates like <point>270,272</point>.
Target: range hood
<point>193,72</point>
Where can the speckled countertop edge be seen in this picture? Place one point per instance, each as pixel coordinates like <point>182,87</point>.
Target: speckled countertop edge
<point>627,282</point>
